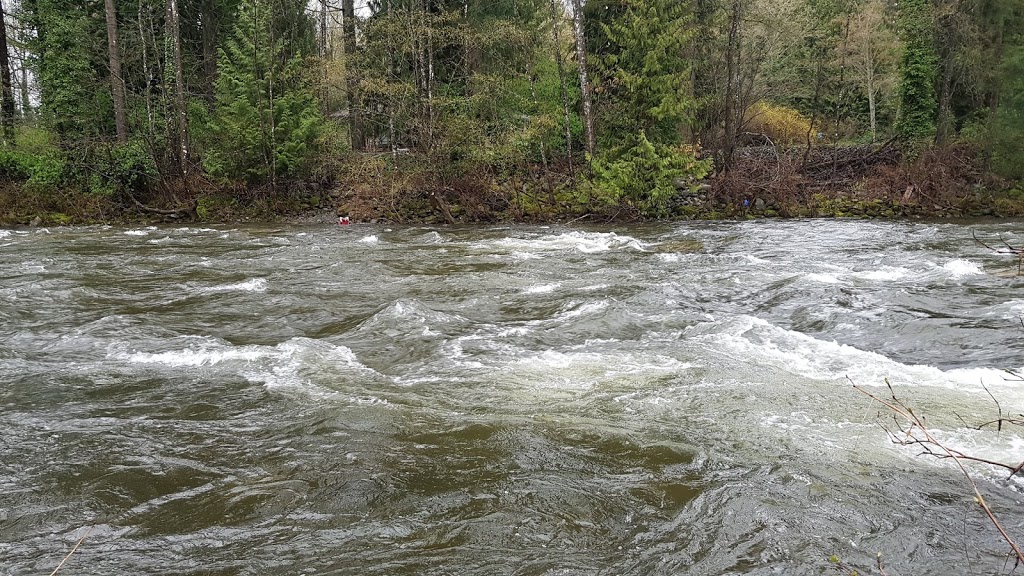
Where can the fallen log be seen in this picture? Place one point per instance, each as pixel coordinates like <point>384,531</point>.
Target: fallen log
<point>190,212</point>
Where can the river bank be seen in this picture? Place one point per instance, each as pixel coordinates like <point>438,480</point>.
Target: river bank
<point>851,183</point>
<point>424,209</point>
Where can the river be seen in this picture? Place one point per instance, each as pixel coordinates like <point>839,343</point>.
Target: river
<point>373,400</point>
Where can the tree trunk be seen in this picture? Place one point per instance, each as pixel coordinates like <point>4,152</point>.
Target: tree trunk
<point>993,94</point>
<point>116,81</point>
<point>174,29</point>
<point>325,56</point>
<point>841,99</point>
<point>869,77</point>
<point>871,108</point>
<point>209,39</point>
<point>146,75</point>
<point>944,125</point>
<point>536,110</point>
<point>705,72</point>
<point>430,72</point>
<point>561,79</point>
<point>348,15</point>
<point>26,100</point>
<point>818,81</point>
<point>581,57</point>
<point>730,90</point>
<point>7,92</point>
<point>392,75</point>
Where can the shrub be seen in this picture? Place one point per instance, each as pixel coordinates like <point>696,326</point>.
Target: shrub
<point>785,126</point>
<point>644,176</point>
<point>125,167</point>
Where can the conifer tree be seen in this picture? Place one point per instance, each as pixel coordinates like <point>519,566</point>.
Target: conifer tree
<point>266,118</point>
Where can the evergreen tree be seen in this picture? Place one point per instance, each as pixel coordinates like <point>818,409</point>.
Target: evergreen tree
<point>266,118</point>
<point>644,105</point>
<point>642,73</point>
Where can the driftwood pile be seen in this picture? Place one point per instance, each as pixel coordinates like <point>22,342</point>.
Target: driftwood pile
<point>822,163</point>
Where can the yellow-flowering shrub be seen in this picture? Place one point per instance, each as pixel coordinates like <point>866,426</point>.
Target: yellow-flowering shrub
<point>785,126</point>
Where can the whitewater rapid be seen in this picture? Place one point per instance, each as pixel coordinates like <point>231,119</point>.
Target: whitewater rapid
<point>524,400</point>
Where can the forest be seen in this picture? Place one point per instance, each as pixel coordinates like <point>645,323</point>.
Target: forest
<point>466,110</point>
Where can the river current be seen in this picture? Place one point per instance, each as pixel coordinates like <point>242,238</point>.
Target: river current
<point>373,400</point>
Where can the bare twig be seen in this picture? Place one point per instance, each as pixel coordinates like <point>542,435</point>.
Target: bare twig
<point>913,432</point>
<point>878,562</point>
<point>1015,251</point>
<point>82,539</point>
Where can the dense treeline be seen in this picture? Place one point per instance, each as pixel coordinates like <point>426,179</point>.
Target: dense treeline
<point>523,106</point>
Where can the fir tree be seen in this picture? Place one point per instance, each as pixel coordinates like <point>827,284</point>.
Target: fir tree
<point>266,119</point>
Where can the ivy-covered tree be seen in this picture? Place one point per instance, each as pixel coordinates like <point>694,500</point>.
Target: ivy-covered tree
<point>919,68</point>
<point>266,119</point>
<point>69,60</point>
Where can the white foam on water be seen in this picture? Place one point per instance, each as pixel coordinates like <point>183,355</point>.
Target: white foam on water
<point>525,256</point>
<point>542,289</point>
<point>371,239</point>
<point>962,268</point>
<point>585,242</point>
<point>5,233</point>
<point>582,370</point>
<point>575,311</point>
<point>408,317</point>
<point>516,331</point>
<point>757,344</point>
<point>823,278</point>
<point>433,237</point>
<point>299,363</point>
<point>192,357</point>
<point>668,258</point>
<point>139,231</point>
<point>250,285</point>
<point>1009,310</point>
<point>883,274</point>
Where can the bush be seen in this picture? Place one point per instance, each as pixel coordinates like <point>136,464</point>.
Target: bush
<point>644,176</point>
<point>785,126</point>
<point>125,167</point>
<point>40,172</point>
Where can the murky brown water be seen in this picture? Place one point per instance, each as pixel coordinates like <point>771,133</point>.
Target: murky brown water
<point>543,401</point>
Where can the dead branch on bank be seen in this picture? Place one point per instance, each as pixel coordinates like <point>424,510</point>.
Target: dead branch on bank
<point>179,213</point>
<point>910,430</point>
<point>1015,251</point>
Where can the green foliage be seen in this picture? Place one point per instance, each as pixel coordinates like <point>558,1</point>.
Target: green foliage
<point>1008,131</point>
<point>644,176</point>
<point>643,76</point>
<point>266,120</point>
<point>36,161</point>
<point>122,168</point>
<point>918,71</point>
<point>75,102</point>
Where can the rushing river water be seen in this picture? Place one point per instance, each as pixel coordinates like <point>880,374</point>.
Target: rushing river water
<point>367,400</point>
